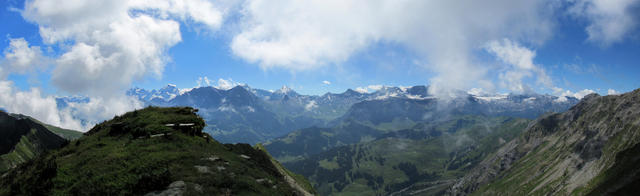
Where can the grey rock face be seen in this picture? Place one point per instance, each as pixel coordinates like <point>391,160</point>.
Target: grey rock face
<point>561,153</point>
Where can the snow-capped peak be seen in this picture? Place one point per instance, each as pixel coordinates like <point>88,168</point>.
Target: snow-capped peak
<point>284,90</point>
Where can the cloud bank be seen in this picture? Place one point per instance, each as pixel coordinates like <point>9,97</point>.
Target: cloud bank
<point>303,35</point>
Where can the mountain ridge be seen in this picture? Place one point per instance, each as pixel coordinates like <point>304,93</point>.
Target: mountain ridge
<point>564,153</point>
<point>262,115</point>
<point>152,151</point>
<point>22,138</point>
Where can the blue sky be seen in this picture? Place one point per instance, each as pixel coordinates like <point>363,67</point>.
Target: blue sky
<point>101,49</point>
<point>573,62</point>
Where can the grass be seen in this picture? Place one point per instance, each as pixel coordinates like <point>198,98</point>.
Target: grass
<point>65,133</point>
<point>117,158</point>
<point>385,165</point>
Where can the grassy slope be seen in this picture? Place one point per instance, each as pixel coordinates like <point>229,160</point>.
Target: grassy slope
<point>62,132</point>
<point>557,165</point>
<point>65,133</point>
<point>25,150</point>
<point>390,164</point>
<point>110,161</point>
<point>35,140</point>
<point>299,179</point>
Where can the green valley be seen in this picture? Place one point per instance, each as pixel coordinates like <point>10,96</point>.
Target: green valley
<point>436,152</point>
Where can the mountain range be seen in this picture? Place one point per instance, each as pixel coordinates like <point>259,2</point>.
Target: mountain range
<point>247,115</point>
<point>395,141</point>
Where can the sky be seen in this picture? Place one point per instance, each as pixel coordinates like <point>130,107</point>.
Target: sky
<point>99,49</point>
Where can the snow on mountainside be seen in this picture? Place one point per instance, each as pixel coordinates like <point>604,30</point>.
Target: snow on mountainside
<point>165,93</point>
<point>267,114</point>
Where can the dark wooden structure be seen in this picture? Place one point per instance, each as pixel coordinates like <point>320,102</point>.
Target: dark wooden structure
<point>187,128</point>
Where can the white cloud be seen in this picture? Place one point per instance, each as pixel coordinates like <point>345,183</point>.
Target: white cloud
<point>520,65</point>
<point>304,35</point>
<point>105,45</point>
<point>226,84</point>
<point>362,90</point>
<point>366,89</point>
<point>612,92</point>
<point>582,93</point>
<point>326,82</point>
<point>98,108</point>
<point>610,21</point>
<point>310,106</point>
<point>111,43</point>
<point>33,103</point>
<point>221,84</point>
<point>375,87</point>
<point>578,95</point>
<point>477,92</point>
<point>21,58</point>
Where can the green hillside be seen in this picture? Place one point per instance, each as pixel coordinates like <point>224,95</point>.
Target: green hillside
<point>429,155</point>
<point>136,154</point>
<point>62,132</point>
<point>591,149</point>
<point>22,139</point>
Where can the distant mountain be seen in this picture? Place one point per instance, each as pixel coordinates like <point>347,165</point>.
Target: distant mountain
<point>23,138</point>
<point>392,113</point>
<point>165,93</point>
<point>238,116</point>
<point>245,114</point>
<point>137,154</point>
<point>591,149</point>
<point>526,106</point>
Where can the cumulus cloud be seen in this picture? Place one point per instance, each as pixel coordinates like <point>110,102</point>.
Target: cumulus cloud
<point>21,58</point>
<point>311,105</point>
<point>519,61</point>
<point>372,88</point>
<point>375,87</point>
<point>612,92</point>
<point>610,21</point>
<point>98,109</point>
<point>303,35</point>
<point>112,43</point>
<point>582,93</point>
<point>562,94</point>
<point>326,82</point>
<point>362,90</point>
<point>477,92</point>
<point>35,104</point>
<point>223,84</point>
<point>226,84</point>
<point>105,45</point>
